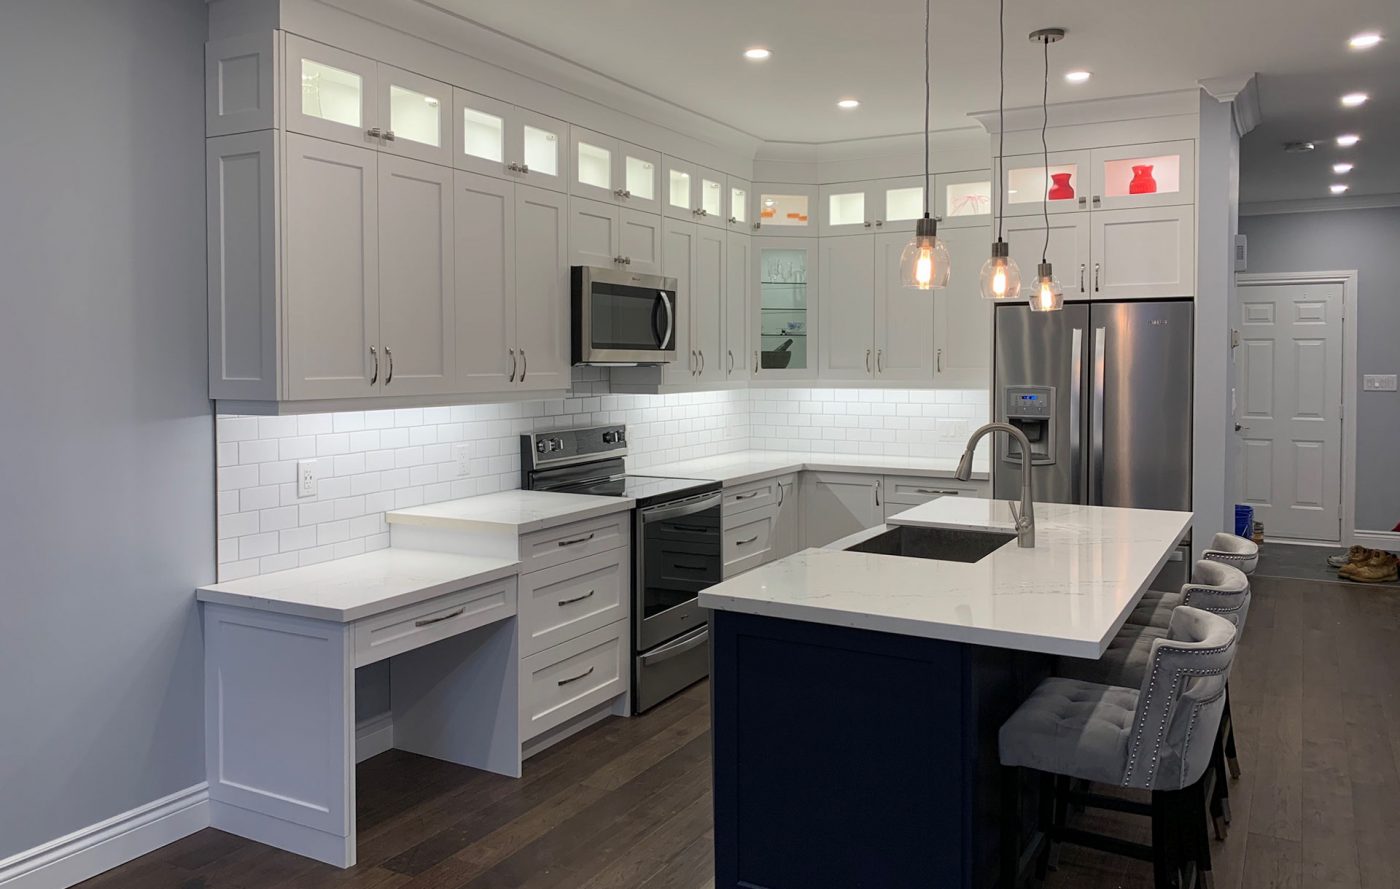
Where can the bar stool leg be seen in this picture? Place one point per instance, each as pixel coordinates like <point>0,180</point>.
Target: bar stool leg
<point>1166,858</point>
<point>1220,790</point>
<point>1227,720</point>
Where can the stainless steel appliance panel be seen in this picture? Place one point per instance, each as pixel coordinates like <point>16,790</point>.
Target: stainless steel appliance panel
<point>622,318</point>
<point>1140,405</point>
<point>1038,349</point>
<point>678,550</point>
<point>669,668</point>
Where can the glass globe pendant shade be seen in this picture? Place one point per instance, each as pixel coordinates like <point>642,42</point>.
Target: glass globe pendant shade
<point>1001,277</point>
<point>1046,294</point>
<point>924,264</point>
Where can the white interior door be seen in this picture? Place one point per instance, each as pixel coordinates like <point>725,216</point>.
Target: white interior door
<point>485,260</point>
<point>1289,407</point>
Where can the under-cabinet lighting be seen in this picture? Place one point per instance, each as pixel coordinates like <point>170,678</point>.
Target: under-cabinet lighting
<point>1342,168</point>
<point>1339,188</point>
<point>1348,139</point>
<point>1354,100</point>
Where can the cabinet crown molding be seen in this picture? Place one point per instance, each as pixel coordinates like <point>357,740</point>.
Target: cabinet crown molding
<point>1093,111</point>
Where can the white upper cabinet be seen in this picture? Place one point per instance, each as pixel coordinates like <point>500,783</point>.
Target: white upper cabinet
<point>607,169</point>
<point>1145,253</point>
<point>900,203</point>
<point>1068,251</point>
<point>962,319</point>
<point>413,114</point>
<point>639,240</point>
<point>963,199</point>
<point>1028,192</point>
<point>739,204</point>
<point>417,318</point>
<point>541,289</point>
<point>485,292</point>
<point>708,277</point>
<point>240,84</point>
<point>848,308</point>
<point>710,203</point>
<point>738,285</point>
<point>787,210</point>
<point>607,236</point>
<point>903,316</point>
<point>848,208</point>
<point>1155,175</point>
<point>680,189</point>
<point>331,285</point>
<point>785,319</point>
<point>331,93</point>
<point>678,261</point>
<point>499,139</point>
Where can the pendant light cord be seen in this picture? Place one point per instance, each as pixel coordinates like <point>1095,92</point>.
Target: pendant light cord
<point>1045,149</point>
<point>1001,118</point>
<point>928,100</point>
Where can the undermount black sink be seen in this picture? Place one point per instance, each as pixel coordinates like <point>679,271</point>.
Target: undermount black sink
<point>942,544</point>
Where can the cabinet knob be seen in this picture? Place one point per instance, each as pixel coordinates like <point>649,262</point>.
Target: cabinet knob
<point>867,223</point>
<point>525,168</point>
<point>513,167</point>
<point>880,222</point>
<point>733,221</point>
<point>374,132</point>
<point>619,192</point>
<point>620,259</point>
<point>1083,201</point>
<point>388,135</point>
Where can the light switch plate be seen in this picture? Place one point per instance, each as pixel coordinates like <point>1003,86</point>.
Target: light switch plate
<point>1378,382</point>
<point>308,477</point>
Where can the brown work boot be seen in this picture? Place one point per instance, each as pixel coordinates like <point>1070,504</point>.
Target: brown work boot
<point>1380,568</point>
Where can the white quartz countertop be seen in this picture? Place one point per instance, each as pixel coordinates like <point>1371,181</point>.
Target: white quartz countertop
<point>361,586</point>
<point>746,466</point>
<point>520,511</point>
<point>1068,595</point>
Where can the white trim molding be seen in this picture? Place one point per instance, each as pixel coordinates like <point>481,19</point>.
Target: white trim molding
<point>1386,540</point>
<point>100,847</point>
<point>1316,205</point>
<point>374,736</point>
<point>1350,384</point>
<point>1242,92</point>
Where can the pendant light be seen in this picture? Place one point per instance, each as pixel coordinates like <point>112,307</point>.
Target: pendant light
<point>1046,293</point>
<point>1001,277</point>
<point>924,264</point>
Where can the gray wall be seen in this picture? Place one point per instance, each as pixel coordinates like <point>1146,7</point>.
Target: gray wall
<point>106,466</point>
<point>1368,241</point>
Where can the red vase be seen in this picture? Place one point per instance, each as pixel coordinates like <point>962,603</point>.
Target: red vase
<point>1061,190</point>
<point>1142,183</point>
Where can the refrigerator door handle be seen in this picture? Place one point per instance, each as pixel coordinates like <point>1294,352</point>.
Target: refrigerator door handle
<point>1096,421</point>
<point>1076,389</point>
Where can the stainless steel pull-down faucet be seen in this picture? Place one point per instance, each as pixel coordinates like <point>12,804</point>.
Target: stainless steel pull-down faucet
<point>1025,516</point>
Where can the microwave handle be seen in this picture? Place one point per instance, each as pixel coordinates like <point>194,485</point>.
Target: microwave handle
<point>670,320</point>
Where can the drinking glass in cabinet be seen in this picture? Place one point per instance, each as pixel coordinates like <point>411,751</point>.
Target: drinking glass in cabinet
<point>483,135</point>
<point>594,166</point>
<point>902,204</point>
<point>783,309</point>
<point>415,116</point>
<point>783,209</point>
<point>1160,174</point>
<point>641,178</point>
<point>969,198</point>
<point>739,204</point>
<point>541,151</point>
<point>846,209</point>
<point>1028,185</point>
<point>680,188</point>
<point>330,93</point>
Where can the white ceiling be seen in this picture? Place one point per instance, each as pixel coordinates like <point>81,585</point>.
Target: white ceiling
<point>688,52</point>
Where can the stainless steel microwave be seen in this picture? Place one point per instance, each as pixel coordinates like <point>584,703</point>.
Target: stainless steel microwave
<point>622,318</point>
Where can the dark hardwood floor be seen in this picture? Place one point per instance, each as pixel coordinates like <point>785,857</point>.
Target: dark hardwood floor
<point>626,804</point>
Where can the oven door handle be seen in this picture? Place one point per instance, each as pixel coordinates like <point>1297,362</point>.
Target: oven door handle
<point>677,648</point>
<point>684,508</point>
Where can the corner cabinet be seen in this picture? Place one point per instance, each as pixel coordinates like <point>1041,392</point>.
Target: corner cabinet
<point>785,318</point>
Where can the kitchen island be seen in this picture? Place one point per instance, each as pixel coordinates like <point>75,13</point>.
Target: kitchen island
<point>858,694</point>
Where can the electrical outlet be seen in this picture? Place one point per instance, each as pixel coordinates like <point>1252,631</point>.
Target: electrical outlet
<point>307,478</point>
<point>1378,382</point>
<point>462,453</point>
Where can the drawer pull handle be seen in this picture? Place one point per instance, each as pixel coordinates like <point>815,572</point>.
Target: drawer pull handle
<point>429,621</point>
<point>587,672</point>
<point>681,567</point>
<point>578,540</point>
<point>749,496</point>
<point>698,529</point>
<point>746,541</point>
<point>935,491</point>
<point>563,602</point>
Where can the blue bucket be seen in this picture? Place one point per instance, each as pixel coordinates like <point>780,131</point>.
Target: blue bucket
<point>1244,521</point>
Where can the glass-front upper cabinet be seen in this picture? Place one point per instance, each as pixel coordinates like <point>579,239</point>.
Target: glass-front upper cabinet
<point>331,93</point>
<point>901,203</point>
<point>786,309</point>
<point>413,110</point>
<point>711,201</point>
<point>962,200</point>
<point>640,171</point>
<point>847,208</point>
<point>1159,174</point>
<point>737,209</point>
<point>606,169</point>
<point>499,139</point>
<point>1029,191</point>
<point>786,210</point>
<point>679,188</point>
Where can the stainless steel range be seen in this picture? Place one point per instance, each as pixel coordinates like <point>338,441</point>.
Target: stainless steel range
<point>676,547</point>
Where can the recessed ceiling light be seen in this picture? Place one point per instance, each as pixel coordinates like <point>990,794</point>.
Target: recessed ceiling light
<point>1342,168</point>
<point>757,53</point>
<point>1077,76</point>
<point>1347,140</point>
<point>1338,188</point>
<point>848,103</point>
<point>1353,100</point>
<point>1364,40</point>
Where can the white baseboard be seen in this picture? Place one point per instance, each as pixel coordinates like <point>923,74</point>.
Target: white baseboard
<point>1387,540</point>
<point>374,736</point>
<point>100,847</point>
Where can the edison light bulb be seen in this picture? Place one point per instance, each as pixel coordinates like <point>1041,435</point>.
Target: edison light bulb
<point>924,263</point>
<point>1047,295</point>
<point>1001,278</point>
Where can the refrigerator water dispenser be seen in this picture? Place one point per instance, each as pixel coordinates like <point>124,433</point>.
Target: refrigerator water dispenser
<point>1032,410</point>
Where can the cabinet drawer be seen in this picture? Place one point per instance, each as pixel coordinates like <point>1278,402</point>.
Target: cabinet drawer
<point>912,490</point>
<point>554,546</point>
<point>571,678</point>
<point>413,626</point>
<point>565,601</point>
<point>749,543</point>
<point>750,495</point>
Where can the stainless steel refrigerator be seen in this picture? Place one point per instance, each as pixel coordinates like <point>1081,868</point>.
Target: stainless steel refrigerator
<point>1103,392</point>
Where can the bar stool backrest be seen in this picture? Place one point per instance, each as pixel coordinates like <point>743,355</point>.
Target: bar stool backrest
<point>1220,589</point>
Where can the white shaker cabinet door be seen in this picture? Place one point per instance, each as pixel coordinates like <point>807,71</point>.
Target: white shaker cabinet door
<point>738,263</point>
<point>962,326</point>
<point>707,304</point>
<point>331,93</point>
<point>594,239</point>
<point>331,270</point>
<point>848,308</point>
<point>416,114</point>
<point>639,240</point>
<point>541,288</point>
<point>417,317</point>
<point>1145,253</point>
<point>678,261</point>
<point>1068,251</point>
<point>903,315</point>
<point>838,504</point>
<point>485,265</point>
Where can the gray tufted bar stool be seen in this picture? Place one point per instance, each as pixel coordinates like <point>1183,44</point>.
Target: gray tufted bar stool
<point>1231,549</point>
<point>1156,736</point>
<point>1214,586</point>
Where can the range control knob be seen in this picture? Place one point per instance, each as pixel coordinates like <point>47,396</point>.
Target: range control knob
<point>556,444</point>
<point>609,438</point>
<point>541,445</point>
<point>621,436</point>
